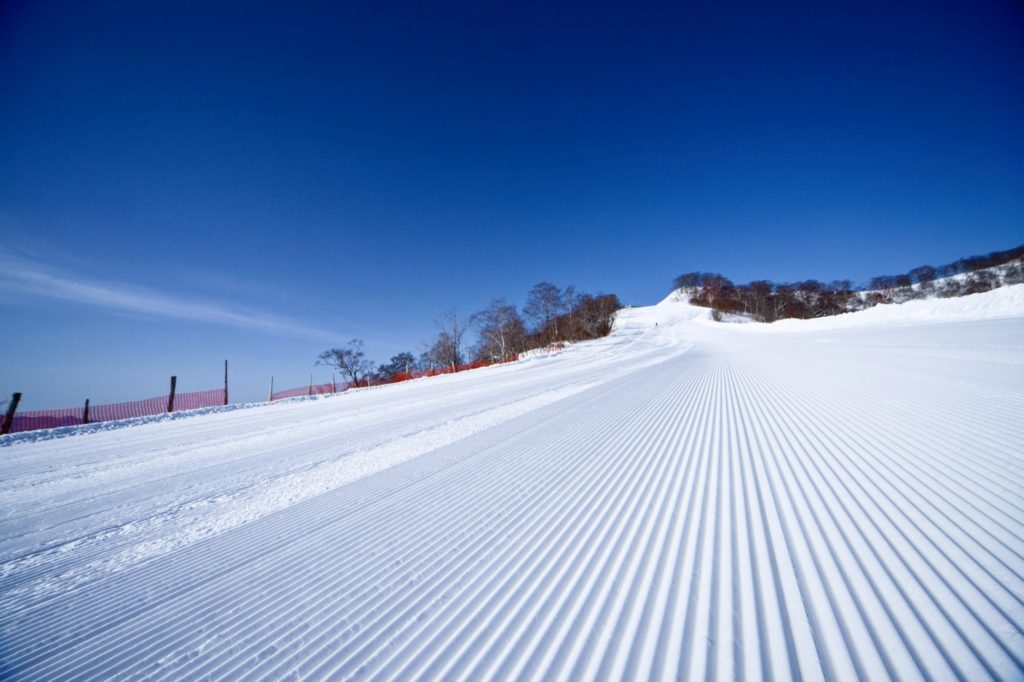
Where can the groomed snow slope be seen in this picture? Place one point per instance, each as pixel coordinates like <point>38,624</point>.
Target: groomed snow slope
<point>837,499</point>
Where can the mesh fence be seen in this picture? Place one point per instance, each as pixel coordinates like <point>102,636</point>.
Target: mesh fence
<point>71,416</point>
<point>339,387</point>
<point>315,389</point>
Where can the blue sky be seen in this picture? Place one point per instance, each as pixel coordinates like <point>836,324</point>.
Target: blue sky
<point>182,182</point>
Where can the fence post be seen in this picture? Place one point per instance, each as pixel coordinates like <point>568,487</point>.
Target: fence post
<point>334,383</point>
<point>225,382</point>
<point>11,409</point>
<point>271,398</point>
<point>310,392</point>
<point>170,398</point>
<point>85,412</point>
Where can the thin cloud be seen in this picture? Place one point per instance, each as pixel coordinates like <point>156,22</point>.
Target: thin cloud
<point>18,275</point>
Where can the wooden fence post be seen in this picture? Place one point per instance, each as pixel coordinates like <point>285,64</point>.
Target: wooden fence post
<point>271,398</point>
<point>310,392</point>
<point>11,409</point>
<point>225,382</point>
<point>170,398</point>
<point>334,383</point>
<point>85,412</point>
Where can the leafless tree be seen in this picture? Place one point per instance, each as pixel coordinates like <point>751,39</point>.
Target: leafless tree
<point>595,315</point>
<point>979,281</point>
<point>442,354</point>
<point>350,360</point>
<point>689,280</point>
<point>501,330</point>
<point>544,304</point>
<point>1014,274</point>
<point>572,299</point>
<point>400,365</point>
<point>756,296</point>
<point>451,331</point>
<point>924,275</point>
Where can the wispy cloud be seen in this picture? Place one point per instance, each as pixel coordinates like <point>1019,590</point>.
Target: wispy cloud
<point>27,277</point>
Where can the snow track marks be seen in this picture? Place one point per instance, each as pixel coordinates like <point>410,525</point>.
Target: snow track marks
<point>709,518</point>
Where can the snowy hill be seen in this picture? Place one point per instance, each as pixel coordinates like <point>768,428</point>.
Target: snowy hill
<point>1005,302</point>
<point>838,498</point>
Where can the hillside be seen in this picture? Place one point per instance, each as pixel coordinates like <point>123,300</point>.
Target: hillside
<point>765,301</point>
<point>837,498</point>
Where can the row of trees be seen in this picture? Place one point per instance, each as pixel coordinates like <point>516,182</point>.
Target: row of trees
<point>979,271</point>
<point>551,315</point>
<point>768,301</point>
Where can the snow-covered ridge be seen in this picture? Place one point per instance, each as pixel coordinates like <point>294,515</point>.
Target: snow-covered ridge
<point>811,299</point>
<point>1004,302</point>
<point>683,499</point>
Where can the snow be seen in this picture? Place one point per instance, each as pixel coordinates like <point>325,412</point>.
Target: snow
<point>990,305</point>
<point>837,498</point>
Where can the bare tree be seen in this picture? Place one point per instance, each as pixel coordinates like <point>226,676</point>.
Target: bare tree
<point>501,330</point>
<point>426,360</point>
<point>572,299</point>
<point>544,304</point>
<point>979,281</point>
<point>924,275</point>
<point>884,286</point>
<point>689,280</point>
<point>350,360</point>
<point>451,331</point>
<point>760,295</point>
<point>1014,274</point>
<point>716,287</point>
<point>400,366</point>
<point>442,354</point>
<point>595,315</point>
<point>811,293</point>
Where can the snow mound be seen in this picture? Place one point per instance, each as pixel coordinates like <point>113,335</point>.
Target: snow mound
<point>1005,302</point>
<point>1002,303</point>
<point>673,309</point>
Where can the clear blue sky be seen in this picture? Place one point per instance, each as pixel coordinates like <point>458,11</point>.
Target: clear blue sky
<point>184,182</point>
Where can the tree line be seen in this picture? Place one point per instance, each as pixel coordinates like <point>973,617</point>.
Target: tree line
<point>551,315</point>
<point>767,301</point>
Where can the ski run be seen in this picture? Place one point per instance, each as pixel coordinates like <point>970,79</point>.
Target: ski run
<point>837,499</point>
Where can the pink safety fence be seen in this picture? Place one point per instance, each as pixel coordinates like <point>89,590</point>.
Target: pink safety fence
<point>327,389</point>
<point>315,389</point>
<point>398,377</point>
<point>71,416</point>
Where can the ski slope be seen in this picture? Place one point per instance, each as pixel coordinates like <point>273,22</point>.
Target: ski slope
<point>832,499</point>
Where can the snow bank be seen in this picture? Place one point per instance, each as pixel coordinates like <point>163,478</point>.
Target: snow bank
<point>1005,302</point>
<point>1001,303</point>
